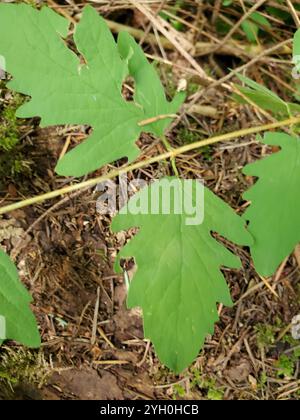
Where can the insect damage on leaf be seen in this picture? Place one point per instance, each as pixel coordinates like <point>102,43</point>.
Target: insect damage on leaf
<point>16,320</point>
<point>63,91</point>
<point>178,281</point>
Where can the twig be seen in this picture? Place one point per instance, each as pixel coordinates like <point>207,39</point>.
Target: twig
<point>65,148</point>
<point>267,284</point>
<point>139,364</point>
<point>238,70</point>
<point>156,22</point>
<point>155,119</point>
<point>244,17</point>
<point>105,338</point>
<point>294,13</point>
<point>201,48</point>
<point>95,319</point>
<point>280,270</point>
<point>110,362</point>
<point>128,168</point>
<point>283,333</point>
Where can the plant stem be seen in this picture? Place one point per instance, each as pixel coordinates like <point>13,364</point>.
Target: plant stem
<point>170,154</point>
<point>169,148</point>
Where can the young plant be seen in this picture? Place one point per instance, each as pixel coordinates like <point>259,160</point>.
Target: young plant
<point>179,279</point>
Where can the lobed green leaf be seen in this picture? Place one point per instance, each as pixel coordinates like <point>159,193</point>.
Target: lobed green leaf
<point>275,203</point>
<point>17,321</point>
<point>179,279</point>
<point>64,90</point>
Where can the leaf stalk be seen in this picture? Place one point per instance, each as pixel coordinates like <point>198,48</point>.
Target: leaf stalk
<point>128,168</point>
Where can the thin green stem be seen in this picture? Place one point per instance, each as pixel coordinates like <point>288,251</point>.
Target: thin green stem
<point>169,148</point>
<point>292,127</point>
<point>146,162</point>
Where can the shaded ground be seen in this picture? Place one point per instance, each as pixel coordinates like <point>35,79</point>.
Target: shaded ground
<point>65,253</point>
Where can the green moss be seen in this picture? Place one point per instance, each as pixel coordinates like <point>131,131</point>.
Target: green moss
<point>192,88</point>
<point>265,335</point>
<point>20,367</point>
<point>262,382</point>
<point>266,338</point>
<point>12,162</point>
<point>9,132</point>
<point>285,366</point>
<point>178,391</point>
<point>186,136</point>
<point>208,385</point>
<point>215,394</point>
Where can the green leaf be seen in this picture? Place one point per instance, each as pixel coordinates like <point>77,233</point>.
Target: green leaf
<point>265,98</point>
<point>252,25</point>
<point>260,20</point>
<point>279,14</point>
<point>178,280</point>
<point>65,91</point>
<point>296,44</point>
<point>17,321</point>
<point>275,203</point>
<point>250,29</point>
<point>149,91</point>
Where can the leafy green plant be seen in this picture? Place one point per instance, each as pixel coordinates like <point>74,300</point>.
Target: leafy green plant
<point>265,98</point>
<point>287,363</point>
<point>177,24</point>
<point>214,392</point>
<point>178,391</point>
<point>11,161</point>
<point>180,294</point>
<point>271,223</point>
<point>179,280</point>
<point>16,320</point>
<point>285,366</point>
<point>265,335</point>
<point>63,91</point>
<point>252,25</point>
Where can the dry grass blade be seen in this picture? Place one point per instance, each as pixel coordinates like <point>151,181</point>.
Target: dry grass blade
<point>159,24</point>
<point>244,17</point>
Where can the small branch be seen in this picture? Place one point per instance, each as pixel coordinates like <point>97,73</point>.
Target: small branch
<point>267,284</point>
<point>175,152</point>
<point>155,119</point>
<point>95,319</point>
<point>233,48</point>
<point>226,78</point>
<point>244,17</point>
<point>205,110</point>
<point>293,13</point>
<point>201,48</point>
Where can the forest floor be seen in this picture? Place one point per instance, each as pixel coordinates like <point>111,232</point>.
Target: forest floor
<point>93,347</point>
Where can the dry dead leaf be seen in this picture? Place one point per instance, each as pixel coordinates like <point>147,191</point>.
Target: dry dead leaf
<point>239,373</point>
